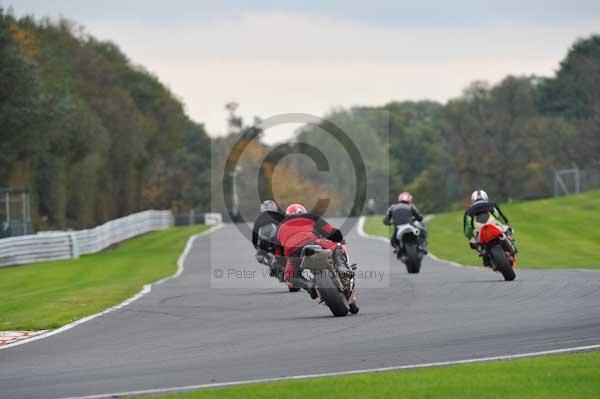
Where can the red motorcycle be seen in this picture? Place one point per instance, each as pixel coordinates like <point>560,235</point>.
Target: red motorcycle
<point>500,248</point>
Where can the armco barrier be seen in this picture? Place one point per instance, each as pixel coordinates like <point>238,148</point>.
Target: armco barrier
<point>57,245</point>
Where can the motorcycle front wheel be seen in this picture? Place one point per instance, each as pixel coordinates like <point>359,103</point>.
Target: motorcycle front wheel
<point>502,263</point>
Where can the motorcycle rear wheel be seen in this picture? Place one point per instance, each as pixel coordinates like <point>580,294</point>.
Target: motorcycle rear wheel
<point>502,263</point>
<point>329,293</point>
<point>413,260</point>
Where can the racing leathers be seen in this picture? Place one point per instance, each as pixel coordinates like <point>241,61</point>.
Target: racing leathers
<point>264,235</point>
<point>403,213</point>
<point>479,214</point>
<point>297,231</point>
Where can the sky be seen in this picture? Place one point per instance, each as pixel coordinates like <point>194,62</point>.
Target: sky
<point>276,57</point>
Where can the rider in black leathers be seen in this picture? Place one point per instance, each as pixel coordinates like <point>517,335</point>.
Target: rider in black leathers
<point>264,232</point>
<point>402,213</point>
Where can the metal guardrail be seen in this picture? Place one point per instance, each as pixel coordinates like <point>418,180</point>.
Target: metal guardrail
<point>58,245</point>
<point>197,217</point>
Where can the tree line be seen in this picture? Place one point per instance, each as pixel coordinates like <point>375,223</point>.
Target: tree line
<point>506,138</point>
<point>92,136</point>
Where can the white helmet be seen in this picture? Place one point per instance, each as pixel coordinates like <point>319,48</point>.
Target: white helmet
<point>478,195</point>
<point>268,205</point>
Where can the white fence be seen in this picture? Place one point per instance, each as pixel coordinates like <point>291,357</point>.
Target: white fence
<point>70,244</point>
<point>213,218</point>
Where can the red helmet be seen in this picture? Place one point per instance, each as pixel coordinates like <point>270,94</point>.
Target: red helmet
<point>295,209</point>
<point>405,197</point>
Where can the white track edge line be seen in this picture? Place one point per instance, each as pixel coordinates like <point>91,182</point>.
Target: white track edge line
<point>336,374</point>
<point>146,289</point>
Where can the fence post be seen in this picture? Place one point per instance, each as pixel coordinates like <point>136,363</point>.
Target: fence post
<point>8,208</point>
<point>74,246</point>
<point>24,212</point>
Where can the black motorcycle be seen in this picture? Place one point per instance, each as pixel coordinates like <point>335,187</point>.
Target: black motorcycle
<point>276,264</point>
<point>408,247</point>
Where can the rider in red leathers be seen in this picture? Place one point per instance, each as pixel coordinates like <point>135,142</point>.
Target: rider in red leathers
<point>299,229</point>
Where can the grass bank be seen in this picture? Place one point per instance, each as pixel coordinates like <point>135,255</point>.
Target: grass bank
<point>51,294</point>
<point>568,376</point>
<point>551,233</point>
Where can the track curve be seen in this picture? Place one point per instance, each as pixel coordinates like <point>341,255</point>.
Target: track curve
<point>186,333</point>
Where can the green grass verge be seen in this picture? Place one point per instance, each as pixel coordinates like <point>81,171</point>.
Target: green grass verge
<point>51,294</point>
<point>567,376</point>
<point>551,233</point>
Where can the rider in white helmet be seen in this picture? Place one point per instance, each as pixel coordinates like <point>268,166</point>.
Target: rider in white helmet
<point>478,195</point>
<point>477,214</point>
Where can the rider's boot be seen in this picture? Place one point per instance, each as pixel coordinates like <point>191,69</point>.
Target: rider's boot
<point>295,279</point>
<point>301,282</point>
<point>487,260</point>
<point>393,245</point>
<point>312,291</point>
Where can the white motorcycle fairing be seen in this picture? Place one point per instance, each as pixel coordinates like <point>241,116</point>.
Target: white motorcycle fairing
<point>407,228</point>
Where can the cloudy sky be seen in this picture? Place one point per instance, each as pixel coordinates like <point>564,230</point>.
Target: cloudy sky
<point>277,57</point>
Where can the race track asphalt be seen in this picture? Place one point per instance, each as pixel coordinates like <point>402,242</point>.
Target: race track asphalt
<point>187,332</point>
